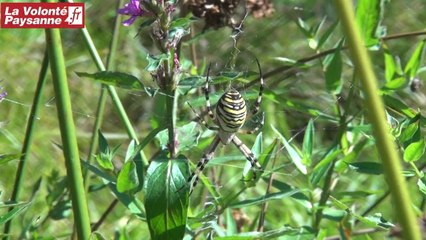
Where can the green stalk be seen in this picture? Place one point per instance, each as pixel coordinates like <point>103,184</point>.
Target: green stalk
<point>102,97</point>
<point>381,129</point>
<point>171,107</point>
<point>111,90</point>
<point>25,152</point>
<point>69,139</point>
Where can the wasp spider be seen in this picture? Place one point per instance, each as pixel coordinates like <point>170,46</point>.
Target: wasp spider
<point>230,116</point>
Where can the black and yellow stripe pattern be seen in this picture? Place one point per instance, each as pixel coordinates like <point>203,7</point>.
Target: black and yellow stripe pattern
<point>231,111</point>
<point>230,115</point>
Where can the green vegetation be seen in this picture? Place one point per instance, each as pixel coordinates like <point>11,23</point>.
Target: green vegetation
<point>99,139</point>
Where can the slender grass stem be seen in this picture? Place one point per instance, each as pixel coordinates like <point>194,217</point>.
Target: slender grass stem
<point>69,138</point>
<point>28,140</point>
<point>112,92</point>
<point>103,93</point>
<point>376,110</point>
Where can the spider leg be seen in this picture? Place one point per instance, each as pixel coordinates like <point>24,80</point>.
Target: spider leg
<point>248,154</point>
<point>202,121</point>
<point>255,129</point>
<point>206,93</point>
<point>193,179</point>
<point>262,84</point>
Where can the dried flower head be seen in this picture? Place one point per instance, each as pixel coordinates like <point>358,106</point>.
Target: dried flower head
<point>260,8</point>
<point>219,13</point>
<point>216,13</point>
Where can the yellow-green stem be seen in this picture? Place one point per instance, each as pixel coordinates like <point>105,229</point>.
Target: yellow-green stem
<point>68,136</point>
<point>25,151</point>
<point>381,129</point>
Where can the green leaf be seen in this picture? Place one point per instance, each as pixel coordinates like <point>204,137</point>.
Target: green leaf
<point>126,199</point>
<point>421,183</point>
<point>231,226</point>
<point>127,179</point>
<point>17,209</point>
<point>333,70</point>
<point>132,151</point>
<point>294,155</point>
<point>414,151</point>
<point>61,210</point>
<point>176,34</point>
<point>166,197</point>
<point>396,83</point>
<point>4,158</point>
<point>265,198</point>
<point>189,83</point>
<point>409,132</point>
<point>107,178</point>
<point>399,106</point>
<point>304,28</point>
<point>369,15</point>
<point>353,194</point>
<point>323,39</point>
<point>284,187</point>
<point>187,135</point>
<point>105,156</point>
<point>257,149</point>
<point>376,220</point>
<point>155,61</point>
<point>116,79</point>
<point>286,233</point>
<point>285,60</point>
<point>181,22</point>
<point>374,168</point>
<point>321,168</point>
<point>334,214</point>
<point>390,66</point>
<point>308,142</point>
<point>354,153</point>
<point>415,61</point>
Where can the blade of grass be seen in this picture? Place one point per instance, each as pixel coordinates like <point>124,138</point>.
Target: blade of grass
<point>111,90</point>
<point>103,93</point>
<point>385,145</point>
<point>69,138</point>
<point>35,109</point>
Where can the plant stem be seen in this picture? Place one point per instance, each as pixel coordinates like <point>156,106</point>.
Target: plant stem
<point>69,139</point>
<point>112,92</point>
<point>25,152</point>
<point>102,97</point>
<point>112,205</point>
<point>292,69</point>
<point>325,194</point>
<point>374,104</point>
<point>171,107</point>
<point>261,224</point>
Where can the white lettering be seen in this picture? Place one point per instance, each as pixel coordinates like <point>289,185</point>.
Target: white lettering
<point>45,11</point>
<point>8,19</point>
<point>14,12</point>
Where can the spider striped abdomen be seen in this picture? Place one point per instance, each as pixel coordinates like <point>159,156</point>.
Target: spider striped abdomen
<point>231,111</point>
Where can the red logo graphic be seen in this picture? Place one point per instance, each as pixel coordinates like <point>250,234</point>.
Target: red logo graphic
<point>42,15</point>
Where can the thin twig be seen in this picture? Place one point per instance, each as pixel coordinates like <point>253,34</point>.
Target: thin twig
<point>96,226</point>
<point>261,225</point>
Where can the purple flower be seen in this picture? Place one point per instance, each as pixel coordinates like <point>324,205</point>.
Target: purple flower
<point>133,9</point>
<point>2,95</point>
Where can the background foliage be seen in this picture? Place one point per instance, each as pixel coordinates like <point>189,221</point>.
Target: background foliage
<point>315,121</point>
